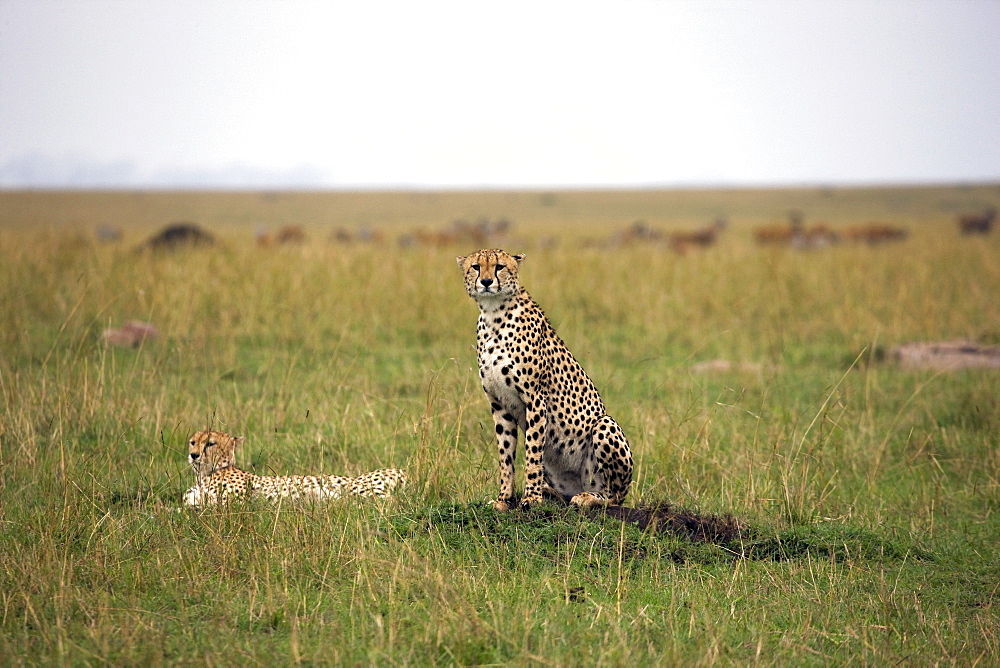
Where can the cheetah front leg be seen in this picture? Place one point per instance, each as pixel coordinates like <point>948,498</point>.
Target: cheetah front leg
<point>506,429</point>
<point>534,448</point>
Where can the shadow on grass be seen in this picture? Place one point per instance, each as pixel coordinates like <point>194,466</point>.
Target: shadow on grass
<point>686,535</point>
<point>744,541</point>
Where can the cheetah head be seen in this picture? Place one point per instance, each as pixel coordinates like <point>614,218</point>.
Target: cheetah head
<point>490,273</point>
<point>209,451</point>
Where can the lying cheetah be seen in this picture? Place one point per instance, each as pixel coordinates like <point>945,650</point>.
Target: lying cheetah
<point>573,449</point>
<point>212,455</point>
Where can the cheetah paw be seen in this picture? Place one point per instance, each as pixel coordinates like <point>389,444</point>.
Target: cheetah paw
<point>588,499</point>
<point>528,502</point>
<point>501,506</point>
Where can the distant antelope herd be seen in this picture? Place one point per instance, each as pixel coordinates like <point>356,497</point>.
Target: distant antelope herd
<point>797,235</point>
<point>640,232</point>
<point>486,232</point>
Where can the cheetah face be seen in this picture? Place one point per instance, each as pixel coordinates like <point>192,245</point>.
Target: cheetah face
<point>490,273</point>
<point>209,451</point>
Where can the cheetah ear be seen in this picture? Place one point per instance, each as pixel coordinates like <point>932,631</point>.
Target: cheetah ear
<point>460,260</point>
<point>519,257</point>
<point>237,441</point>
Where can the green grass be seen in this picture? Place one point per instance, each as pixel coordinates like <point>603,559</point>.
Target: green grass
<point>866,495</point>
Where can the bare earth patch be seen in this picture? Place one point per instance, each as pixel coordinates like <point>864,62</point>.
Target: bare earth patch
<point>130,335</point>
<point>946,355</point>
<point>718,529</point>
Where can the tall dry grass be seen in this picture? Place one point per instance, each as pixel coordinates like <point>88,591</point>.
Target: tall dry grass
<point>871,491</point>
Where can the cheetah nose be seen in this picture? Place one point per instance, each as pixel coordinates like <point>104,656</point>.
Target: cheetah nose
<point>193,456</point>
<point>487,282</point>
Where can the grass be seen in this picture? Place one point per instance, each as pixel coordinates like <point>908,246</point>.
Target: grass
<point>865,496</point>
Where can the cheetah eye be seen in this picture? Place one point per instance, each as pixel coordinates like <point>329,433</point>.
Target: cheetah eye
<point>191,442</point>
<point>209,444</point>
<point>500,268</point>
<point>476,267</point>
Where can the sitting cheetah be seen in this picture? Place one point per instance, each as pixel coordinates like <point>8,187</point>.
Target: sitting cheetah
<point>212,455</point>
<point>573,449</point>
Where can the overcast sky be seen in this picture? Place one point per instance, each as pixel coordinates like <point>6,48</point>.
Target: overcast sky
<point>498,94</point>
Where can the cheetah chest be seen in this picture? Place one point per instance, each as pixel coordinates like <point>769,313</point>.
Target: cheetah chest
<point>499,363</point>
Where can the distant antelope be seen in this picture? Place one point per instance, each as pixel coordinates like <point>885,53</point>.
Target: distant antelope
<point>817,236</point>
<point>774,235</point>
<point>638,232</point>
<point>290,234</point>
<point>876,233</point>
<point>977,223</point>
<point>780,234</point>
<point>704,237</point>
<point>796,234</point>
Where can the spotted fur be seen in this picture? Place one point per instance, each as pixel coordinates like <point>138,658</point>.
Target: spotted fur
<point>212,455</point>
<point>573,449</point>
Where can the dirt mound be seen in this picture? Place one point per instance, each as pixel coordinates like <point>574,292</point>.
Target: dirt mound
<point>130,335</point>
<point>178,235</point>
<point>946,355</point>
<point>711,528</point>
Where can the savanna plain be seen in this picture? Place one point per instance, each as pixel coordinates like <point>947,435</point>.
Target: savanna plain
<point>757,385</point>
